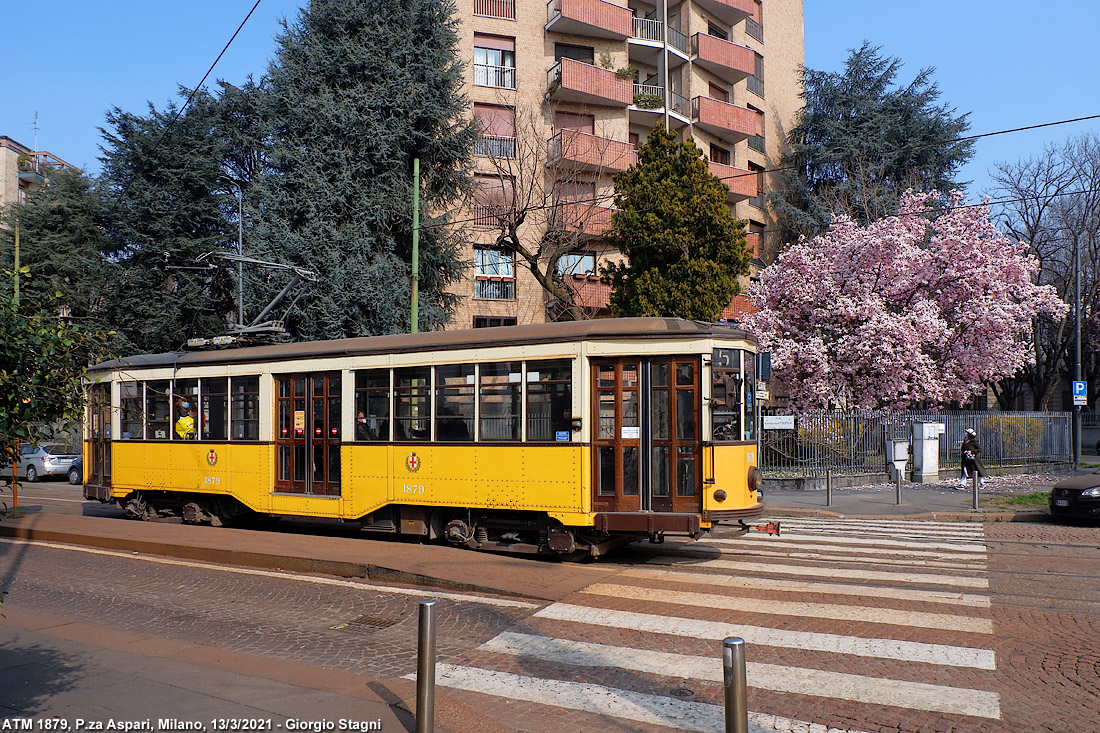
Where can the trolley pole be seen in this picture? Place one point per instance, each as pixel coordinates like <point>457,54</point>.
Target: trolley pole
<point>425,669</point>
<point>733,675</point>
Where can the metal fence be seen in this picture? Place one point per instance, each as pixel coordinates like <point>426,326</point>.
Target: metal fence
<point>855,442</point>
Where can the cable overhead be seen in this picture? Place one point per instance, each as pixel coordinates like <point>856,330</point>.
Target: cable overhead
<point>168,128</point>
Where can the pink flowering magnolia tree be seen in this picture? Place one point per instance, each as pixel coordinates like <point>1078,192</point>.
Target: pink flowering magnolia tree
<point>918,307</point>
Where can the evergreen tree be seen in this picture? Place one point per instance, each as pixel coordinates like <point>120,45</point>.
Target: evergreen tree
<point>62,246</point>
<point>358,89</point>
<point>686,249</point>
<point>861,142</point>
<point>162,213</point>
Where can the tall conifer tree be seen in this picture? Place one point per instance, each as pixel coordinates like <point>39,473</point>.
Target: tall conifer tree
<point>686,249</point>
<point>357,90</point>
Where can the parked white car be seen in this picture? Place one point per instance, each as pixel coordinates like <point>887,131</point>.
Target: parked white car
<point>38,461</point>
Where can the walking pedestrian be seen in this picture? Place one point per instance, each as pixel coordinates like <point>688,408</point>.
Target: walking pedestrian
<point>972,464</point>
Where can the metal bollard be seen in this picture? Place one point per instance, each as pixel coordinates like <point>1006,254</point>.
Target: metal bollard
<point>975,506</point>
<point>898,472</point>
<point>733,675</point>
<point>828,488</point>
<point>425,669</point>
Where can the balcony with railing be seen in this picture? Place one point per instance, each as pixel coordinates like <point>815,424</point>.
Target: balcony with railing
<point>728,61</point>
<point>594,18</point>
<point>584,217</point>
<point>496,8</point>
<point>741,183</point>
<point>495,146</point>
<point>649,106</point>
<point>648,42</point>
<point>491,75</point>
<point>589,292</point>
<point>589,152</point>
<point>491,216</point>
<point>730,12</point>
<point>754,29</point>
<point>494,287</point>
<point>725,120</point>
<point>575,81</point>
<point>755,85</point>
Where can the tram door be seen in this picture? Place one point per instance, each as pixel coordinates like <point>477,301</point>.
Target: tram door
<point>307,434</point>
<point>98,470</point>
<point>647,450</point>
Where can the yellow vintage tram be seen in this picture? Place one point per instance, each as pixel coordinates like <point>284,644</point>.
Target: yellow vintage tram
<point>561,438</point>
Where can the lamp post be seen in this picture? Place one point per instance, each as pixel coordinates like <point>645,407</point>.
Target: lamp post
<point>240,251</point>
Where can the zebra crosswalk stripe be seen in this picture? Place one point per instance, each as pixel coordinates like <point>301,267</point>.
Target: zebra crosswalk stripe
<point>857,688</point>
<point>907,651</point>
<point>610,701</point>
<point>902,578</point>
<point>805,586</point>
<point>941,621</point>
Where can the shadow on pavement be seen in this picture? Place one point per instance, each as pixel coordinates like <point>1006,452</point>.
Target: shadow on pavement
<point>31,676</point>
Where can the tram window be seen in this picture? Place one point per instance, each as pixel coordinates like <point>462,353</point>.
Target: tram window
<point>215,408</point>
<point>500,401</point>
<point>412,409</point>
<point>726,400</point>
<point>131,395</point>
<point>157,412</point>
<point>685,471</point>
<point>686,405</point>
<point>607,471</point>
<point>454,402</point>
<point>372,405</point>
<point>750,396</point>
<point>185,392</point>
<point>244,419</point>
<point>631,476</point>
<point>550,400</point>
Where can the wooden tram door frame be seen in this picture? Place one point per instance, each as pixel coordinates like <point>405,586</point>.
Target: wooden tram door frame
<point>647,441</point>
<point>98,470</point>
<point>307,433</point>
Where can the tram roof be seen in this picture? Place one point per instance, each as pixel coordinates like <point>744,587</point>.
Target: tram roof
<point>604,329</point>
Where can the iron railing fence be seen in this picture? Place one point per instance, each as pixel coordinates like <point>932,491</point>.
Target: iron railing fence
<point>855,442</point>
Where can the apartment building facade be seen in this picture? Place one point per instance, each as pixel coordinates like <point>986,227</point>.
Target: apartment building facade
<point>564,91</point>
<point>23,169</point>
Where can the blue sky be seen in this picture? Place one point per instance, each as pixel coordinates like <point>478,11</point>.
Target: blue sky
<point>1009,63</point>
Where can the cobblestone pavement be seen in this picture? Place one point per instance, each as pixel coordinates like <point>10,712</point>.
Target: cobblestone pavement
<point>884,625</point>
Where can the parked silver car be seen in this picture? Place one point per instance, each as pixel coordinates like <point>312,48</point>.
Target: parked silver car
<point>38,461</point>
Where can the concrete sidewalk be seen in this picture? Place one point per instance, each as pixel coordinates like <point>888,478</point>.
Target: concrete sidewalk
<point>918,501</point>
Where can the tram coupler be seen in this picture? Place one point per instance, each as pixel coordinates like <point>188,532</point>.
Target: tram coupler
<point>769,528</point>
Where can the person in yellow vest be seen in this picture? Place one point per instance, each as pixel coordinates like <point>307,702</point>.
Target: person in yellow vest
<point>185,425</point>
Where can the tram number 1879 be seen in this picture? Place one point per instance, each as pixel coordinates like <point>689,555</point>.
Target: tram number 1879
<point>412,488</point>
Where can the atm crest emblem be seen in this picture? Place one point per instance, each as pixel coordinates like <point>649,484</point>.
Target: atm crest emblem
<point>212,458</point>
<point>412,463</point>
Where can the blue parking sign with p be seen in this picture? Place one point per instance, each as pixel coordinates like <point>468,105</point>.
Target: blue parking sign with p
<point>1080,393</point>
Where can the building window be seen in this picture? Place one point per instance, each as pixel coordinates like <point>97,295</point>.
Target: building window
<point>758,199</point>
<point>755,83</point>
<point>585,54</point>
<point>720,93</point>
<point>497,131</point>
<point>578,263</point>
<point>493,321</point>
<point>496,8</point>
<point>494,61</point>
<point>492,201</point>
<point>494,276</point>
<point>717,31</point>
<point>719,154</point>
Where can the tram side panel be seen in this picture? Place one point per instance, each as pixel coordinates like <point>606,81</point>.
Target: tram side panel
<point>241,470</point>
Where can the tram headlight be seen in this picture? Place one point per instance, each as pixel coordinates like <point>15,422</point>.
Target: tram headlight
<point>720,495</point>
<point>755,478</point>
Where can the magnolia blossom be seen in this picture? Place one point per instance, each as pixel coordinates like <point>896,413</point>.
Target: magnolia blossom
<point>925,306</point>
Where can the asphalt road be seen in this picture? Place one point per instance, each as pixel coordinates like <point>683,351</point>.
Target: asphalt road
<point>890,625</point>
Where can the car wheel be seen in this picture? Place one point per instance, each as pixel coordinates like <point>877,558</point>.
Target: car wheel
<point>74,476</point>
<point>32,474</point>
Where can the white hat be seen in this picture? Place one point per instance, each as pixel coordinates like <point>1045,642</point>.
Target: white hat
<point>970,431</point>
